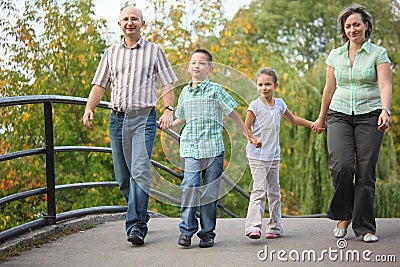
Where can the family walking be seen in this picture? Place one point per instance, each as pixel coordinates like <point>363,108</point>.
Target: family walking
<point>355,112</point>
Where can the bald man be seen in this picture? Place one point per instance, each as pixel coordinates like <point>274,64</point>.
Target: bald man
<point>131,69</point>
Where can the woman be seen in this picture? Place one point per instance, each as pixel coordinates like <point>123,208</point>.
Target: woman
<point>356,106</point>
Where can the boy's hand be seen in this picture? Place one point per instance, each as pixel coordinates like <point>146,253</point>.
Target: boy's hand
<point>166,119</point>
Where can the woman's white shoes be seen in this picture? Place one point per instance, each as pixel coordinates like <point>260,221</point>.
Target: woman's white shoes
<point>340,232</point>
<point>368,238</point>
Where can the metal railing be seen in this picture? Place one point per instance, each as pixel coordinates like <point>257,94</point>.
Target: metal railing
<point>51,217</point>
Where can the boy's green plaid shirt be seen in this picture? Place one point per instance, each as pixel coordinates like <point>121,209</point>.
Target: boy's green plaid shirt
<point>203,108</point>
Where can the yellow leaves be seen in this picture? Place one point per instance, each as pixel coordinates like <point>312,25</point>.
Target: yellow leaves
<point>214,48</point>
<point>90,29</point>
<point>54,44</point>
<point>6,218</point>
<point>227,34</point>
<point>245,25</point>
<point>285,76</point>
<point>286,151</point>
<point>93,52</point>
<point>82,60</point>
<point>61,55</point>
<point>94,191</point>
<point>3,83</point>
<point>248,29</point>
<point>4,147</point>
<point>285,210</point>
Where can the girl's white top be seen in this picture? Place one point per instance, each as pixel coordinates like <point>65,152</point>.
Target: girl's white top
<point>266,127</point>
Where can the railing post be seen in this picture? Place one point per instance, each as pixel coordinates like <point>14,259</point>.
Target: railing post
<point>222,199</point>
<point>50,176</point>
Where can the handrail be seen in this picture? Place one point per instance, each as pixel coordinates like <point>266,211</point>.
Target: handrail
<point>50,217</point>
<point>41,99</point>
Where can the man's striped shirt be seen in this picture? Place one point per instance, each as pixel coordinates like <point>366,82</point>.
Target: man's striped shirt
<point>132,74</point>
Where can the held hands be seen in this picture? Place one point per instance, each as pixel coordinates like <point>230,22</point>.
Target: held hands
<point>255,141</point>
<point>318,126</point>
<point>87,117</point>
<point>166,119</point>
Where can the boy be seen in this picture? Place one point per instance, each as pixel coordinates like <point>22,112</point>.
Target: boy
<point>202,105</point>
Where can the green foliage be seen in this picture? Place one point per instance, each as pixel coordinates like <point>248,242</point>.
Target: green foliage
<point>386,203</point>
<point>294,37</point>
<point>182,26</point>
<point>58,59</point>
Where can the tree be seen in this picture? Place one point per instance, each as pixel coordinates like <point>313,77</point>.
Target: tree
<point>51,48</point>
<point>182,26</point>
<point>294,37</point>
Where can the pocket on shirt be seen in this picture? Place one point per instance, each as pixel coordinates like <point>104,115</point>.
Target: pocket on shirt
<point>369,74</point>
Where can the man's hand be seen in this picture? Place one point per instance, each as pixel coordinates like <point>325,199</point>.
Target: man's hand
<point>166,119</point>
<point>87,117</point>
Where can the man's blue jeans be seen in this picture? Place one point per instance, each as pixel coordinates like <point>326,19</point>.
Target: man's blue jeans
<point>132,139</point>
<point>211,170</point>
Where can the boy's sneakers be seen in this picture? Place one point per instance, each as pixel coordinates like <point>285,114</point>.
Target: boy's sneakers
<point>136,238</point>
<point>206,242</point>
<point>185,240</point>
<point>271,236</point>
<point>254,235</point>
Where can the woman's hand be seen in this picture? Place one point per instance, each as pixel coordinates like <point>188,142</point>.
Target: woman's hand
<point>383,120</point>
<point>318,126</point>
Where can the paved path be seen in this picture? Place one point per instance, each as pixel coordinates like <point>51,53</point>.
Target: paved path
<point>106,245</point>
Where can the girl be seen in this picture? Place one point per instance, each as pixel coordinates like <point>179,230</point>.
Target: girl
<point>263,121</point>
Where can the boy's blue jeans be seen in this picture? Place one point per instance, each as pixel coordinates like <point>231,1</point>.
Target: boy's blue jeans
<point>132,139</point>
<point>210,170</point>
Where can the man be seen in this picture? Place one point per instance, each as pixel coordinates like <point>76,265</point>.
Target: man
<point>132,69</point>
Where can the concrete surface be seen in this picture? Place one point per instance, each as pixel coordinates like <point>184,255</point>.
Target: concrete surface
<point>106,245</point>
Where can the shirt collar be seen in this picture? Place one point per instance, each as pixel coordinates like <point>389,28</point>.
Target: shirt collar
<point>201,86</point>
<point>140,42</point>
<point>366,47</point>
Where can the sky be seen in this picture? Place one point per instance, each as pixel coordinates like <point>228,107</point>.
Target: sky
<point>110,11</point>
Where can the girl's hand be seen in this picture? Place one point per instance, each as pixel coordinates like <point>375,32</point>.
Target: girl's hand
<point>256,142</point>
<point>318,126</point>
